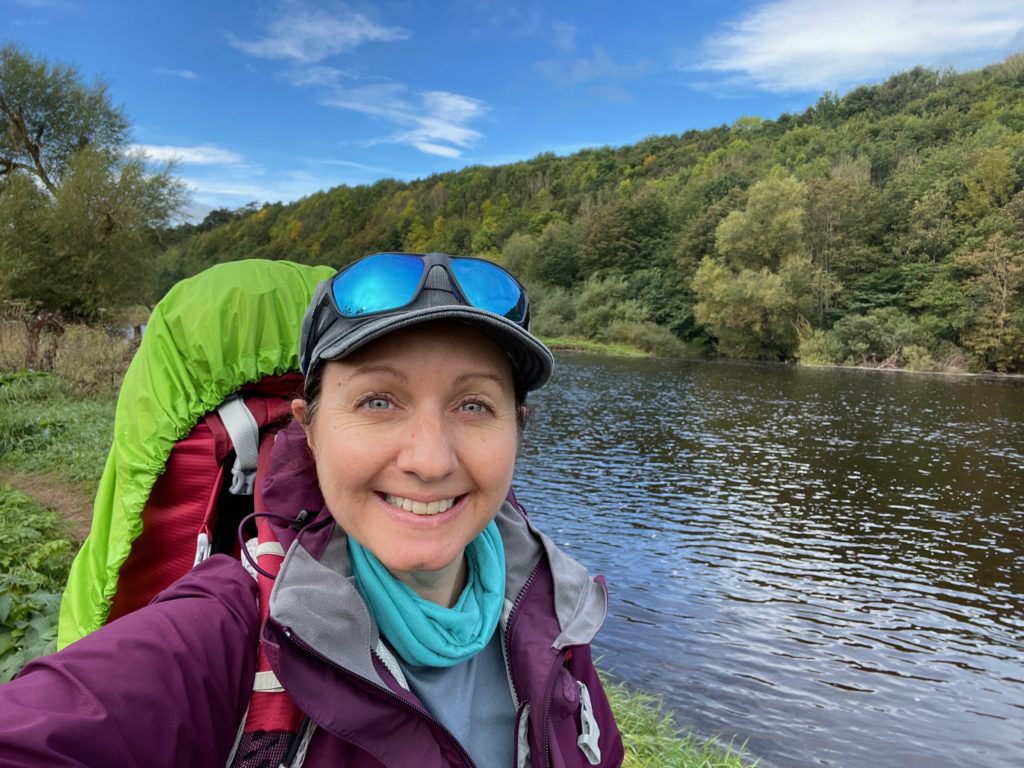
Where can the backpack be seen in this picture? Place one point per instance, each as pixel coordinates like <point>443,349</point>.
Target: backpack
<point>229,331</point>
<point>211,383</point>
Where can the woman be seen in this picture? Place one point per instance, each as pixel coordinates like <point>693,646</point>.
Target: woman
<point>417,619</point>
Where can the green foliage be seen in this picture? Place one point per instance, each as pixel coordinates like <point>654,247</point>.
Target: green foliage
<point>994,290</point>
<point>652,739</point>
<point>757,313</point>
<point>863,202</point>
<point>49,115</point>
<point>768,230</point>
<point>80,218</point>
<point>43,430</point>
<point>884,337</point>
<point>35,556</point>
<point>624,234</point>
<point>603,301</point>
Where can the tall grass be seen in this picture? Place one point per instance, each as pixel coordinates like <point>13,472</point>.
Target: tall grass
<point>653,740</point>
<point>90,361</point>
<point>42,429</point>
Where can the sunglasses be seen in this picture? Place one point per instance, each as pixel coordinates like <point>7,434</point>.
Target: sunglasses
<point>388,282</point>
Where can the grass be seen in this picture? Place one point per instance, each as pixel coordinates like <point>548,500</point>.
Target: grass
<point>52,425</point>
<point>652,739</point>
<point>579,344</point>
<point>42,429</point>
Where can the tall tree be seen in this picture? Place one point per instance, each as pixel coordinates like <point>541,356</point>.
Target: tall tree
<point>769,230</point>
<point>997,290</point>
<point>74,206</point>
<point>49,115</point>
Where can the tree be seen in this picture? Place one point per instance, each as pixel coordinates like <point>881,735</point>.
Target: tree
<point>625,234</point>
<point>768,230</point>
<point>997,292</point>
<point>757,313</point>
<point>80,218</point>
<point>49,115</point>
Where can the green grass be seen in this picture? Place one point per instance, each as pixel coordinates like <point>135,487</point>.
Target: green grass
<point>652,739</point>
<point>42,429</point>
<point>578,344</point>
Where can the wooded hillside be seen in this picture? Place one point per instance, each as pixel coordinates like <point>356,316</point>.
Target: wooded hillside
<point>884,226</point>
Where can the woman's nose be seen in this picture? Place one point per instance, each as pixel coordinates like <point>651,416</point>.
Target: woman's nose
<point>427,450</point>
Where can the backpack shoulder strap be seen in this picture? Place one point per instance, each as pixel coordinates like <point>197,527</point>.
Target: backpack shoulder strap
<point>274,730</point>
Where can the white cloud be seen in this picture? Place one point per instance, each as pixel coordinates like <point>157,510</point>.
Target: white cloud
<point>309,34</point>
<point>317,75</point>
<point>807,45</point>
<point>205,154</point>
<point>184,74</point>
<point>436,149</point>
<point>435,123</point>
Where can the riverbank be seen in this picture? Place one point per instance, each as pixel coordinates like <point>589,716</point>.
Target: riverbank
<point>579,344</point>
<point>52,451</point>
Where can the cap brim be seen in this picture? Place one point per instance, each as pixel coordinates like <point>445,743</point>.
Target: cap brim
<point>531,360</point>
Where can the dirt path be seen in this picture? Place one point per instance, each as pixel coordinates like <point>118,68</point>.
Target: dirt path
<point>68,498</point>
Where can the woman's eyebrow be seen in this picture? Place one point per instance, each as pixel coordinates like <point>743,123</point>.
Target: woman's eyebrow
<point>462,378</point>
<point>376,368</point>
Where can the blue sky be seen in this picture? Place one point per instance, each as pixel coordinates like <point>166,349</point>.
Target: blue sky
<point>277,99</point>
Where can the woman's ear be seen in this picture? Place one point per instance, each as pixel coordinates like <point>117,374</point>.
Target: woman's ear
<point>299,410</point>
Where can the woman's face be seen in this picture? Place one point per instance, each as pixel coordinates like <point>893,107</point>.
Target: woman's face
<point>415,440</point>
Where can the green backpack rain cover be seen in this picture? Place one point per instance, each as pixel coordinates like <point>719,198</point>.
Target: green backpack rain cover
<point>228,326</point>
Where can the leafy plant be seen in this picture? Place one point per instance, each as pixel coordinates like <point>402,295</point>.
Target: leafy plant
<point>35,556</point>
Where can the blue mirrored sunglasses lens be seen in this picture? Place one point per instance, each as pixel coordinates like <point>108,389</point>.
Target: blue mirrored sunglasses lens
<point>377,283</point>
<point>490,287</point>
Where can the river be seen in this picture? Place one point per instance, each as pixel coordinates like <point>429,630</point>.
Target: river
<point>826,564</point>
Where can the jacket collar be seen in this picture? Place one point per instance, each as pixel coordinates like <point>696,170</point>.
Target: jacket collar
<point>315,595</point>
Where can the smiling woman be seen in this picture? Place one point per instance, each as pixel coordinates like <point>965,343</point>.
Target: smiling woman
<point>415,466</point>
<point>417,619</point>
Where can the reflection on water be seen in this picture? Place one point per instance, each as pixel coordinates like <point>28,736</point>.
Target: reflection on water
<point>826,564</point>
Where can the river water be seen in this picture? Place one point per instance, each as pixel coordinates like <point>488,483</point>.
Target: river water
<point>825,564</point>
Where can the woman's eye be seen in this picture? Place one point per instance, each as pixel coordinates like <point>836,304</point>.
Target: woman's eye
<point>377,404</point>
<point>474,406</point>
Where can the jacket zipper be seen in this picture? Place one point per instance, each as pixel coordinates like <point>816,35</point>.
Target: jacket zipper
<point>386,691</point>
<point>506,645</point>
<point>550,692</point>
<point>549,695</point>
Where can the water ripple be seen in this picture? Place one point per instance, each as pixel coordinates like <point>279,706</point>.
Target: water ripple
<point>826,564</point>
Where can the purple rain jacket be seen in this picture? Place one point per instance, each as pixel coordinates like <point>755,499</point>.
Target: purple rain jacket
<point>169,684</point>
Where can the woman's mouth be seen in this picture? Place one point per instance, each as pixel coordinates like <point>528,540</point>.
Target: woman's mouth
<point>420,507</point>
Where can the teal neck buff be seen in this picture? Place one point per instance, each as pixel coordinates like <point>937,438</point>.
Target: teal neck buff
<point>426,634</point>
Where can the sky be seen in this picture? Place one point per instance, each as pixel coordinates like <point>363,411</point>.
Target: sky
<point>273,100</point>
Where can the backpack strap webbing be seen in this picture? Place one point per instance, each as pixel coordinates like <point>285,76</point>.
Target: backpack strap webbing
<point>270,709</point>
<point>245,437</point>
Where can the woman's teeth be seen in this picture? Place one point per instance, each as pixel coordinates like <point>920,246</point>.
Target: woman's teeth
<point>420,507</point>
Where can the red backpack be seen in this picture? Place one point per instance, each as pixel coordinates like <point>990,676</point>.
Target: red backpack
<point>210,386</point>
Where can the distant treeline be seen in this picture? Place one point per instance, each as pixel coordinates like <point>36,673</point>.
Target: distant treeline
<point>883,227</point>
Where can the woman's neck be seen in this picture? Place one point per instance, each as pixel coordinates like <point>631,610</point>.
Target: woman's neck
<point>443,586</point>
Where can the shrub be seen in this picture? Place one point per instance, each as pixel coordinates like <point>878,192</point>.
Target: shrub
<point>652,338</point>
<point>35,556</point>
<point>819,347</point>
